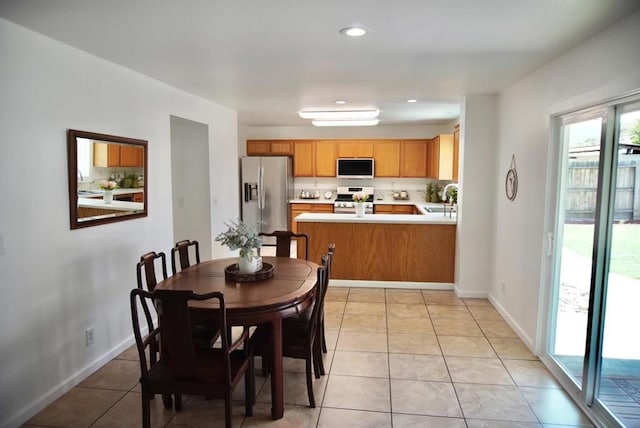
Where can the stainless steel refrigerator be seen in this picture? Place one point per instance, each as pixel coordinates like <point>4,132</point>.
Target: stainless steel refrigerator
<point>266,186</point>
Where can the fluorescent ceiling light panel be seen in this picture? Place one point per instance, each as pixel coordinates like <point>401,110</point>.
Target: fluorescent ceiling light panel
<point>366,122</point>
<point>340,115</point>
<point>353,31</point>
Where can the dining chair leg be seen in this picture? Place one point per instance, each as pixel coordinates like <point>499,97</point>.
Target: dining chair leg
<point>322,336</point>
<point>317,355</point>
<point>249,389</point>
<point>146,411</point>
<point>178,402</point>
<point>227,409</point>
<point>167,401</point>
<point>312,401</point>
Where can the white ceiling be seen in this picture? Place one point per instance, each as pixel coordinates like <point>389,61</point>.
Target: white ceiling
<point>268,59</point>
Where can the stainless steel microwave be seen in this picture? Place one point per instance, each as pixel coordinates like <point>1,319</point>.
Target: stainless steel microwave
<point>354,168</point>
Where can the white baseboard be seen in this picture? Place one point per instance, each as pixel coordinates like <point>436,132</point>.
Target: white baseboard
<point>32,409</point>
<point>391,284</point>
<point>470,294</point>
<point>514,325</point>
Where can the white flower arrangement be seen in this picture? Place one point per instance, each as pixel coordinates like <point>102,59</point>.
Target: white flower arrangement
<point>107,184</point>
<point>240,236</point>
<point>360,197</point>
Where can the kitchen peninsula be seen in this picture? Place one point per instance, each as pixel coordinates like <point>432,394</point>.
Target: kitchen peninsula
<point>384,247</point>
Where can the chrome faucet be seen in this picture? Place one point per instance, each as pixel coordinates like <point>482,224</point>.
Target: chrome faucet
<point>445,195</point>
<point>80,176</point>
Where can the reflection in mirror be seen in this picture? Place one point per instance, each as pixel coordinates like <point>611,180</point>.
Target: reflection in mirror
<point>107,178</point>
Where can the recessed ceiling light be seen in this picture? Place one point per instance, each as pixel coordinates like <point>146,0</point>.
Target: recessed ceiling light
<point>353,31</point>
<point>339,114</point>
<point>341,102</point>
<point>368,122</point>
<point>412,100</point>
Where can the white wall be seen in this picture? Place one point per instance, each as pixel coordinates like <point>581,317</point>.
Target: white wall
<point>56,282</point>
<point>191,201</point>
<point>474,237</point>
<point>604,66</point>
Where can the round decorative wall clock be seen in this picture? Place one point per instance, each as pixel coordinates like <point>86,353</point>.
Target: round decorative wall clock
<point>511,182</point>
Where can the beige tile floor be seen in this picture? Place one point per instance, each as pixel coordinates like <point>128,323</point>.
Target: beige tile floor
<point>397,358</point>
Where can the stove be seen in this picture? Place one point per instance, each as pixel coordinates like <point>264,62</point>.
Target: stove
<point>344,200</point>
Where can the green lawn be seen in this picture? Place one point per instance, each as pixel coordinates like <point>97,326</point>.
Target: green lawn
<point>625,257</point>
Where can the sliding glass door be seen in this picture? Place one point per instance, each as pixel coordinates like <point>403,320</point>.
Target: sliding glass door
<point>593,339</point>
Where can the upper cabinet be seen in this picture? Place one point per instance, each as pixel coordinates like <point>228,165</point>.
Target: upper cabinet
<point>106,155</point>
<point>440,157</point>
<point>386,154</point>
<point>131,156</point>
<point>420,158</point>
<point>325,158</point>
<point>304,158</point>
<point>116,155</point>
<point>413,158</point>
<point>269,147</point>
<point>456,151</point>
<point>354,148</point>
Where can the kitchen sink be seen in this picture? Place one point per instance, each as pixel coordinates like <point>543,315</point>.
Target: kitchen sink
<point>89,192</point>
<point>434,209</point>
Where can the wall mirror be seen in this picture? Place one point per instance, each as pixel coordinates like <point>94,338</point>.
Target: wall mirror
<point>107,178</point>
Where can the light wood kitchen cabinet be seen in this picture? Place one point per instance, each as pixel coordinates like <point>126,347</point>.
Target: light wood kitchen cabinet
<point>440,157</point>
<point>456,151</point>
<point>355,149</point>
<point>281,148</point>
<point>413,158</point>
<point>395,209</point>
<point>106,155</point>
<point>258,147</point>
<point>297,209</point>
<point>131,156</point>
<point>269,147</point>
<point>386,154</point>
<point>325,158</point>
<point>304,158</point>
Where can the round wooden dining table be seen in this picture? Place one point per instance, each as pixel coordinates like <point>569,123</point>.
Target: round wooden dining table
<point>249,303</point>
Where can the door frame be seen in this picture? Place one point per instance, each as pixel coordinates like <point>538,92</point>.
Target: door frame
<point>585,397</point>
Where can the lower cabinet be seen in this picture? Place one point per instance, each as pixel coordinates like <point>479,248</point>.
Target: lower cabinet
<point>395,209</point>
<point>297,209</point>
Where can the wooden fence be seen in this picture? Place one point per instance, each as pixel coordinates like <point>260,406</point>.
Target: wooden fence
<point>583,181</point>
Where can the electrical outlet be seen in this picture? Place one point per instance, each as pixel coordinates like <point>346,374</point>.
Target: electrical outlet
<point>89,336</point>
<point>504,286</point>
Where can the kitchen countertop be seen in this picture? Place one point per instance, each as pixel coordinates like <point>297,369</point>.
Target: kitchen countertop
<point>313,201</point>
<point>115,205</point>
<point>424,218</point>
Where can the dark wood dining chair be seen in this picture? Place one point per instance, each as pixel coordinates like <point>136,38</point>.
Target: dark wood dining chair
<point>148,279</point>
<point>182,249</point>
<point>147,267</point>
<point>283,242</point>
<point>299,335</point>
<point>182,367</point>
<point>323,341</point>
<point>205,330</point>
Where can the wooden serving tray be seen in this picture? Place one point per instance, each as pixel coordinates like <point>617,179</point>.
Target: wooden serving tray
<point>231,273</point>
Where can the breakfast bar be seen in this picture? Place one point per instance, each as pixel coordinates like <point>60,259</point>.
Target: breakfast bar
<point>385,247</point>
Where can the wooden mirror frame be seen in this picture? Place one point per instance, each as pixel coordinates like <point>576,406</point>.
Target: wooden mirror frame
<point>72,162</point>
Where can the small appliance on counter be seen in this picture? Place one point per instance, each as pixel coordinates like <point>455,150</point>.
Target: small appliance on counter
<point>344,200</point>
<point>401,195</point>
<point>309,195</point>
